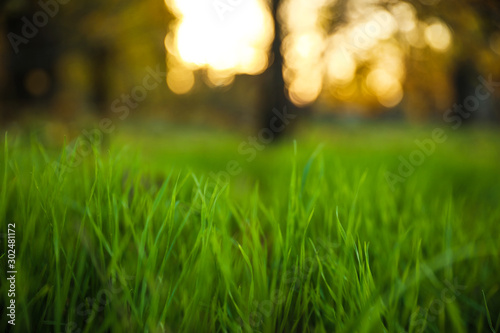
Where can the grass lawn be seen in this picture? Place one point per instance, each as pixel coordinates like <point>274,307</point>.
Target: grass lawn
<point>304,236</point>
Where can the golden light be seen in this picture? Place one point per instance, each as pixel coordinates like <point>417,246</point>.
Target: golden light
<point>301,15</point>
<point>385,86</point>
<point>405,15</point>
<point>438,35</point>
<point>381,25</point>
<point>305,89</point>
<point>343,92</point>
<point>415,36</point>
<point>225,38</point>
<point>389,57</point>
<point>180,80</point>
<point>220,35</point>
<point>303,49</point>
<point>219,78</point>
<point>341,66</point>
<point>356,40</point>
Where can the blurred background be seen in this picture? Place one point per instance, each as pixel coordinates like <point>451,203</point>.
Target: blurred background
<point>227,64</point>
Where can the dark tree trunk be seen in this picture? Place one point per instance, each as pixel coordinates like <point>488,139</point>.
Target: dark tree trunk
<point>30,65</point>
<point>464,82</point>
<point>100,62</point>
<point>273,93</point>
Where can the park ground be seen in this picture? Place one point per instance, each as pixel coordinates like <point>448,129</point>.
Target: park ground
<point>340,229</point>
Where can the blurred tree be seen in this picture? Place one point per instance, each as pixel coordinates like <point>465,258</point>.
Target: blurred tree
<point>31,57</point>
<point>101,58</point>
<point>273,96</point>
<point>473,22</point>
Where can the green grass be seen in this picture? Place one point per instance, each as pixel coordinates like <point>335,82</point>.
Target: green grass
<point>308,237</point>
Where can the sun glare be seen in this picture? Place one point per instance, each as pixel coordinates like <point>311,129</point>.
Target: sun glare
<point>438,35</point>
<point>180,80</point>
<point>341,66</point>
<point>225,37</point>
<point>230,37</point>
<point>385,86</point>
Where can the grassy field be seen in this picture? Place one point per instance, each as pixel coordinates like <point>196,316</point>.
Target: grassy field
<point>302,236</point>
